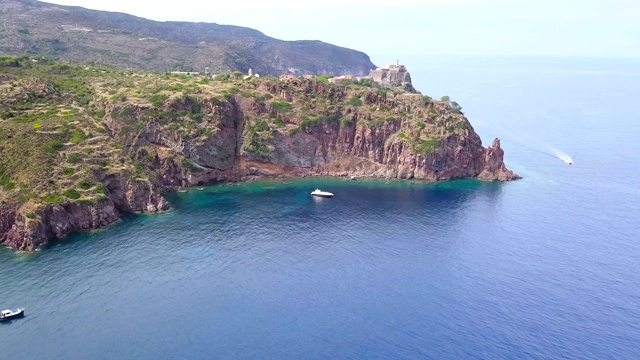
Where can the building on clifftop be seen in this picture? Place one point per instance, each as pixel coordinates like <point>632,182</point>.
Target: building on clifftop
<point>392,76</point>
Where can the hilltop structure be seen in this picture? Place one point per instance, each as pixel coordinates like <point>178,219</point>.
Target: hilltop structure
<point>393,75</point>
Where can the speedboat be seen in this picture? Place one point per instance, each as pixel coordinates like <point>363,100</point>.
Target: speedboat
<point>7,315</point>
<point>320,193</point>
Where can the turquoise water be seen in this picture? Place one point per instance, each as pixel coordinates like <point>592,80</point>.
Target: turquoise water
<point>542,268</point>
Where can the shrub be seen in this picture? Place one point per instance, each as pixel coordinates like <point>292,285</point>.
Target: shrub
<point>52,198</point>
<point>345,121</point>
<point>68,171</point>
<point>261,126</point>
<point>78,137</point>
<point>74,158</point>
<point>376,123</point>
<point>9,186</point>
<point>188,165</point>
<point>216,102</point>
<point>279,122</point>
<point>280,106</point>
<point>100,188</point>
<point>100,113</point>
<point>424,147</point>
<point>53,146</point>
<point>456,107</point>
<point>85,185</point>
<point>158,100</point>
<point>72,194</point>
<point>37,126</point>
<point>222,77</point>
<point>324,78</point>
<point>355,101</point>
<point>306,123</point>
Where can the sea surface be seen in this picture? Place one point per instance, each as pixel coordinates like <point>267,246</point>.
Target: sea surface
<point>547,267</point>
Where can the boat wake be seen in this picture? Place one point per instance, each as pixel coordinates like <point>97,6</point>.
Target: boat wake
<point>526,140</point>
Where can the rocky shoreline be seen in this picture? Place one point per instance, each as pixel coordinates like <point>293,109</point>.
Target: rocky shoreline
<point>57,220</point>
<point>268,129</point>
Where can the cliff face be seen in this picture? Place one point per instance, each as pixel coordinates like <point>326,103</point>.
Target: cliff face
<point>29,229</point>
<point>120,156</point>
<point>352,142</point>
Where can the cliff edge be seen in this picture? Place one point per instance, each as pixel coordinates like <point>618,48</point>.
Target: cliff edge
<point>79,145</point>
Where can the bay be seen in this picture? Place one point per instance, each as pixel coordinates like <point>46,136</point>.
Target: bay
<point>541,268</point>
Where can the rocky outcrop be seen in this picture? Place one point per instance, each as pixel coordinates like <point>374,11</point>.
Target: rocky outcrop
<point>53,221</point>
<point>494,168</point>
<point>131,195</point>
<point>22,228</point>
<point>357,146</point>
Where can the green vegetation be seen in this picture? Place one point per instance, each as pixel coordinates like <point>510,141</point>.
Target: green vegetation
<point>281,106</point>
<point>85,185</point>
<point>158,100</point>
<point>355,101</point>
<point>51,198</point>
<point>74,158</point>
<point>13,61</point>
<point>100,188</point>
<point>324,78</point>
<point>77,137</point>
<point>72,194</point>
<point>425,147</point>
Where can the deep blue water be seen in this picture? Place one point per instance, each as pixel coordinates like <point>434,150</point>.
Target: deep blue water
<point>542,268</point>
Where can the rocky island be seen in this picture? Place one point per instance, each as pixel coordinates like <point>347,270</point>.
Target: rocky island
<point>82,143</point>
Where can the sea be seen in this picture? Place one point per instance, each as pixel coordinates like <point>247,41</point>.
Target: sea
<point>547,267</point>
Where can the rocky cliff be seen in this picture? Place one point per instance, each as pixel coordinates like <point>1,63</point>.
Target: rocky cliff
<point>28,229</point>
<point>130,136</point>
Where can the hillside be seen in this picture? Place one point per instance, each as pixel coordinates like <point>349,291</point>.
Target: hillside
<point>79,34</point>
<point>79,143</point>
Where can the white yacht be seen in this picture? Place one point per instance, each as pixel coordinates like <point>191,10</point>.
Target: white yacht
<point>320,193</point>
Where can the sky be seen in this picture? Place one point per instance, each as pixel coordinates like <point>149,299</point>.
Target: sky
<point>593,28</point>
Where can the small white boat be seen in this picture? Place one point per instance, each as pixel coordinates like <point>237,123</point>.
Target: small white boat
<point>320,193</point>
<point>7,315</point>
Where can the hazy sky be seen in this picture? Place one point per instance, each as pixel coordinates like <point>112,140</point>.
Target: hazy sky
<point>401,27</point>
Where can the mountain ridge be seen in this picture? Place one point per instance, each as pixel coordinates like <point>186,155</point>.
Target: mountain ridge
<point>116,38</point>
